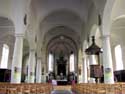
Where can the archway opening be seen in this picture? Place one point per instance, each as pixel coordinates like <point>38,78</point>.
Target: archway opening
<point>61,59</point>
<point>7,40</point>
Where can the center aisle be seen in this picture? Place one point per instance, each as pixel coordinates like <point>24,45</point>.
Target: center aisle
<point>62,90</point>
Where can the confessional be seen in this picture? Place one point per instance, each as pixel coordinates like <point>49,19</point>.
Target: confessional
<point>5,75</point>
<point>119,76</point>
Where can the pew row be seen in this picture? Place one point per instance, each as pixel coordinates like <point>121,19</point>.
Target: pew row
<point>92,88</point>
<point>25,88</point>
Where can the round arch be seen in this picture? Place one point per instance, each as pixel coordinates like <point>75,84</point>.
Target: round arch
<point>118,18</point>
<point>106,20</point>
<point>118,9</point>
<point>46,15</point>
<point>62,14</point>
<point>61,30</point>
<point>64,45</point>
<point>61,38</point>
<point>117,38</point>
<point>113,9</point>
<point>7,31</point>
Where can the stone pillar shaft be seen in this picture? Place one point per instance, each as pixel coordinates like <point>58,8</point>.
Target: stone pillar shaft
<point>17,59</point>
<point>84,70</point>
<point>38,71</point>
<point>31,66</point>
<point>107,60</point>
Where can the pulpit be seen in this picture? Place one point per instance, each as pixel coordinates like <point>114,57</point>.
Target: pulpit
<point>119,76</point>
<point>96,71</point>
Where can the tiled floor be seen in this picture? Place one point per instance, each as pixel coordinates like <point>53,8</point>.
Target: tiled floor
<point>62,92</point>
<point>63,87</point>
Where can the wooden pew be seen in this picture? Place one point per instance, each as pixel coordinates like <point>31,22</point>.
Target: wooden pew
<point>29,88</point>
<point>101,88</point>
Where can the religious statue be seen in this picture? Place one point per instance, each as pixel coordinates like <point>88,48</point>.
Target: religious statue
<point>61,76</point>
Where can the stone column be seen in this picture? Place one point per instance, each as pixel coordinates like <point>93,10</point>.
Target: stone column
<point>56,69</point>
<point>67,68</point>
<point>85,70</point>
<point>44,73</point>
<point>17,59</point>
<point>31,66</point>
<point>107,60</point>
<point>38,70</point>
<point>88,68</point>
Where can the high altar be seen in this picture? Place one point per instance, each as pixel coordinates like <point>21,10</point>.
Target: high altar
<point>61,72</point>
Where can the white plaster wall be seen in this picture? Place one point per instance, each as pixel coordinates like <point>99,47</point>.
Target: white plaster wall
<point>118,9</point>
<point>1,46</point>
<point>117,38</point>
<point>5,8</point>
<point>92,20</point>
<point>47,7</point>
<point>106,19</point>
<point>114,9</point>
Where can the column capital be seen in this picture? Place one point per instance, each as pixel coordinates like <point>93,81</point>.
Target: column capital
<point>40,58</point>
<point>105,36</point>
<point>32,50</point>
<point>19,35</point>
<point>84,55</point>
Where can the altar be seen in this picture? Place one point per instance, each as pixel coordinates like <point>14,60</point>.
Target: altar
<point>60,74</point>
<point>59,82</point>
<point>62,82</point>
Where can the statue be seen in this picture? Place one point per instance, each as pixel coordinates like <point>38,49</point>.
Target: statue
<point>61,76</point>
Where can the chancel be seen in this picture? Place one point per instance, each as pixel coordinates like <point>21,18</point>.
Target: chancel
<point>45,45</point>
<point>63,69</point>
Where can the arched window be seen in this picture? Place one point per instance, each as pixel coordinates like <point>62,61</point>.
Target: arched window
<point>71,62</point>
<point>5,54</point>
<point>118,58</point>
<point>51,61</point>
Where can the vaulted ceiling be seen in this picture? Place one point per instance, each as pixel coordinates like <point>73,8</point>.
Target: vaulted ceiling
<point>63,18</point>
<point>68,18</point>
